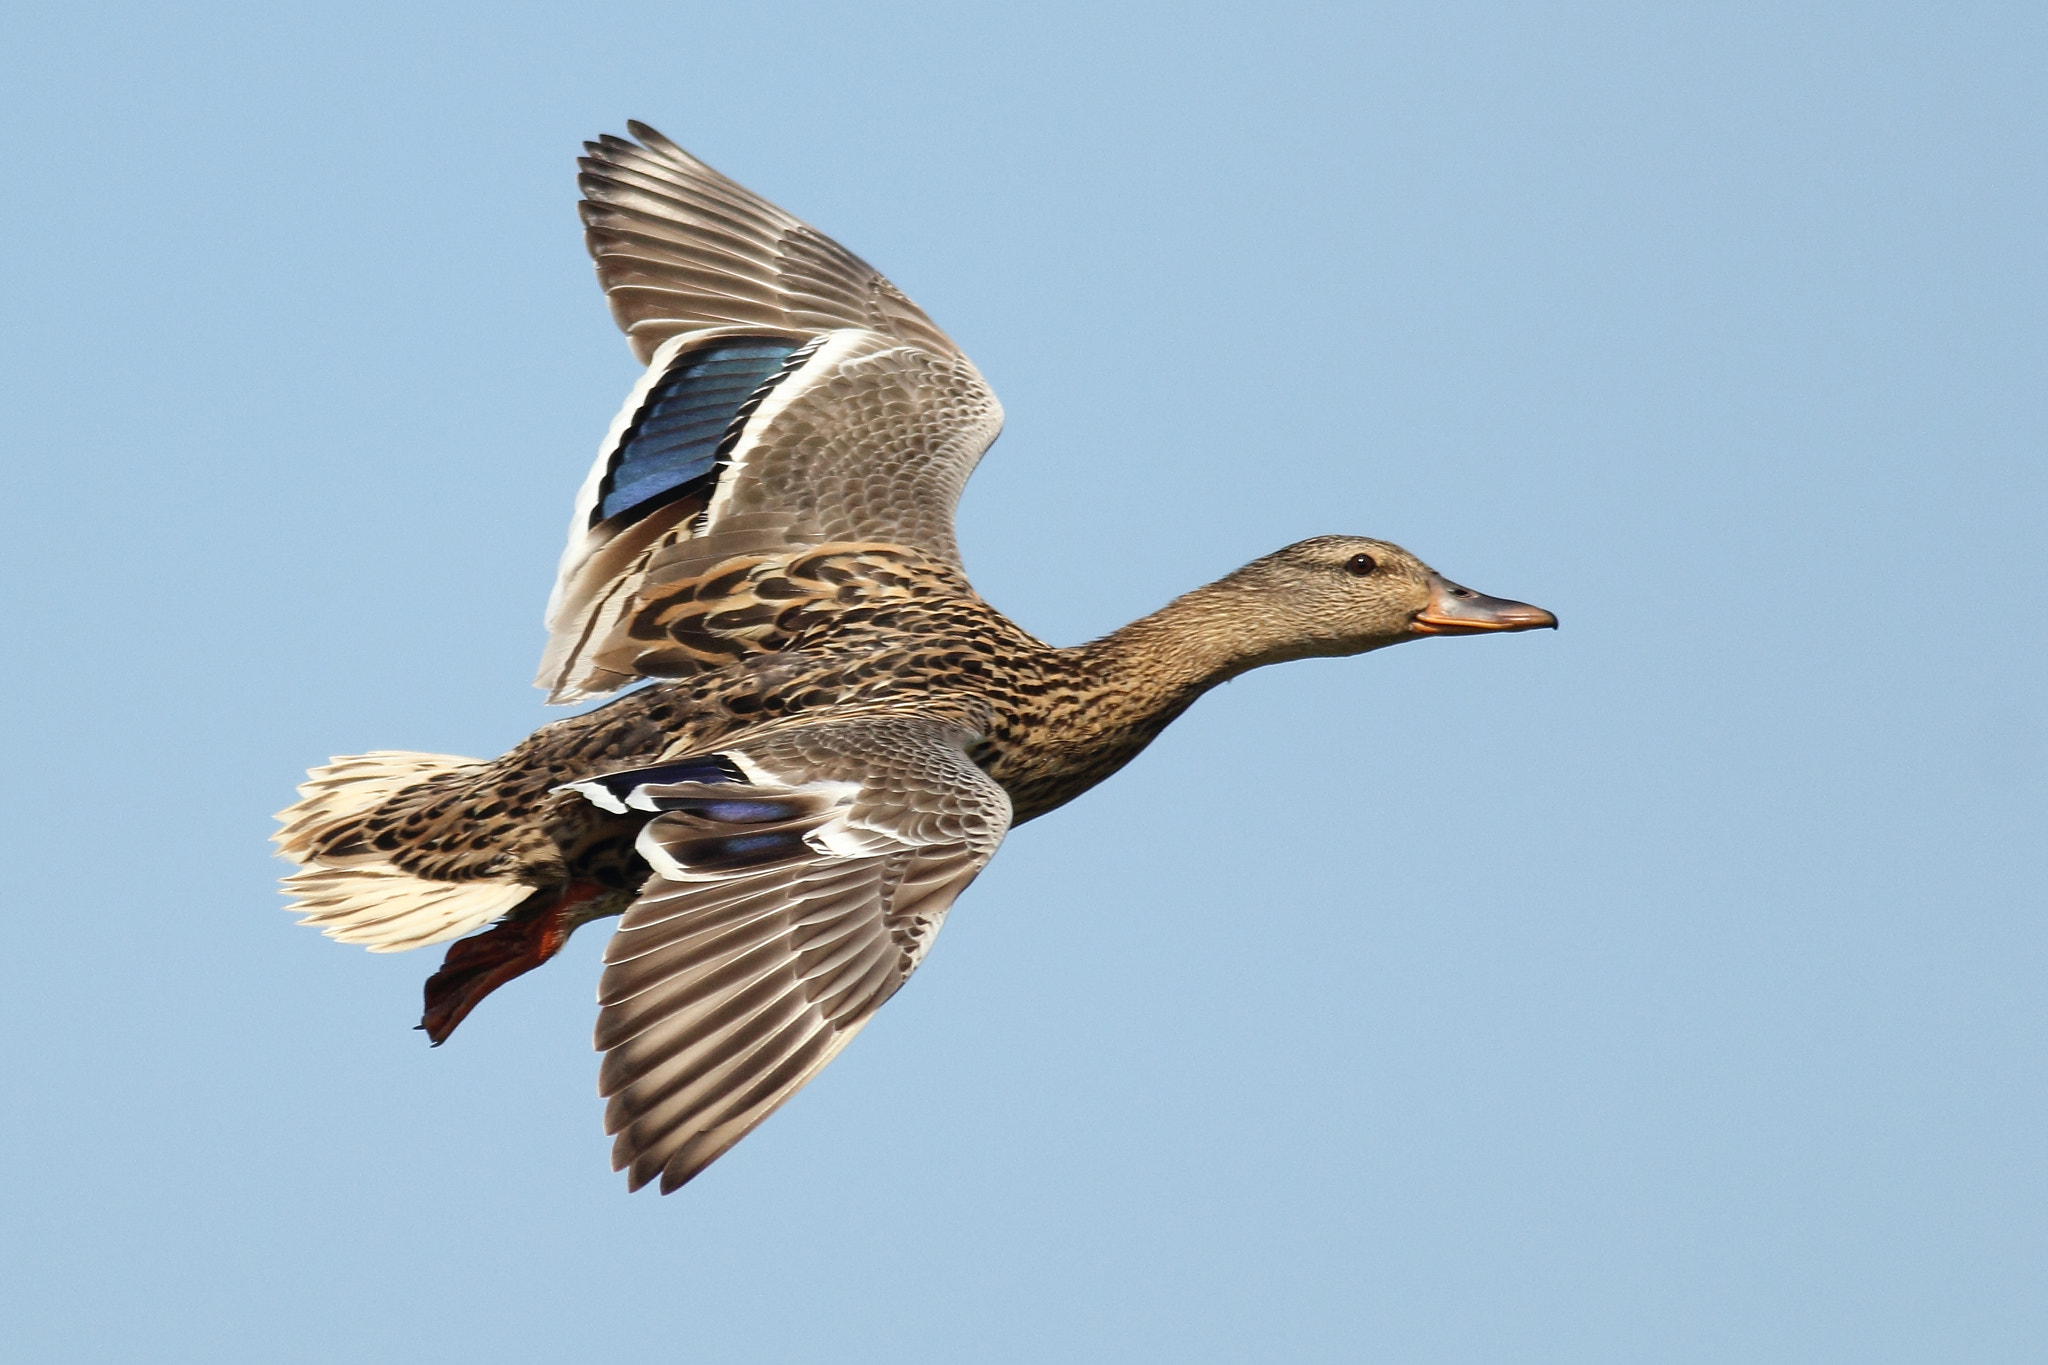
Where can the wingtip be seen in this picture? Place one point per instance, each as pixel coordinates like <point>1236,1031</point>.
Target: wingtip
<point>650,137</point>
<point>659,145</point>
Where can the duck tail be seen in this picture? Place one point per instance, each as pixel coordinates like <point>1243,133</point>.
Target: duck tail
<point>349,889</point>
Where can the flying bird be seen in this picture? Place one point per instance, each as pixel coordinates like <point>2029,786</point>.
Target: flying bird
<point>835,732</point>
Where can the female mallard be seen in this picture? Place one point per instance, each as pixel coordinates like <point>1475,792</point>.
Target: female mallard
<point>842,731</point>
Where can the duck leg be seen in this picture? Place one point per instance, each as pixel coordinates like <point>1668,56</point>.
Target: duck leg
<point>475,966</point>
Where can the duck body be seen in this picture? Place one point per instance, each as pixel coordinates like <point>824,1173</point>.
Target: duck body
<point>833,730</point>
<point>860,631</point>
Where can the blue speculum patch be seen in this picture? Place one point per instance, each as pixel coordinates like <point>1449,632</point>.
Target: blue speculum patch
<point>734,812</point>
<point>742,850</point>
<point>673,442</point>
<point>711,768</point>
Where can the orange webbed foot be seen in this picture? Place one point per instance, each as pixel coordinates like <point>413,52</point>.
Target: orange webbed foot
<point>478,965</point>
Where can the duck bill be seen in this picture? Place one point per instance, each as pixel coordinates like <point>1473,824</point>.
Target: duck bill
<point>1454,610</point>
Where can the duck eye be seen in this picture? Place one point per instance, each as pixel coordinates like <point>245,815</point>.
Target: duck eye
<point>1361,565</point>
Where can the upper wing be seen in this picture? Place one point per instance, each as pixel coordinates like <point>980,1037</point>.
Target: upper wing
<point>792,398</point>
<point>799,879</point>
<point>679,248</point>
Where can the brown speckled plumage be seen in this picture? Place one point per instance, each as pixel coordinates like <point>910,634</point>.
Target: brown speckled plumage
<point>837,731</point>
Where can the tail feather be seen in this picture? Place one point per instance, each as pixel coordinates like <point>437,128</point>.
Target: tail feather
<point>360,897</point>
<point>350,785</point>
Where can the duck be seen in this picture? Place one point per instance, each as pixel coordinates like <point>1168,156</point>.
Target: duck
<point>817,732</point>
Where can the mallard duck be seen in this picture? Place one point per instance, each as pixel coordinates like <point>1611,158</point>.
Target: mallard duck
<point>835,731</point>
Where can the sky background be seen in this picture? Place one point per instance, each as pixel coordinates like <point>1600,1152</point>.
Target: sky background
<point>1673,988</point>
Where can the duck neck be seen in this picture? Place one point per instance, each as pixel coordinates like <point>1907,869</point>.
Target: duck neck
<point>1129,685</point>
<point>1160,663</point>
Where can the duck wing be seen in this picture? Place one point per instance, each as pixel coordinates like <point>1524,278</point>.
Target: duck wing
<point>799,879</point>
<point>680,247</point>
<point>793,398</point>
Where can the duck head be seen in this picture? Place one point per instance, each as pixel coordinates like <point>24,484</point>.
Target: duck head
<point>1340,595</point>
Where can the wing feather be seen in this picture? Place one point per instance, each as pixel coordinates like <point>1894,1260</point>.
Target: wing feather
<point>868,437</point>
<point>729,985</point>
<point>642,200</point>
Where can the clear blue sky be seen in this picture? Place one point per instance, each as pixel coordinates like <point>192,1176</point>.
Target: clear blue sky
<point>1671,988</point>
